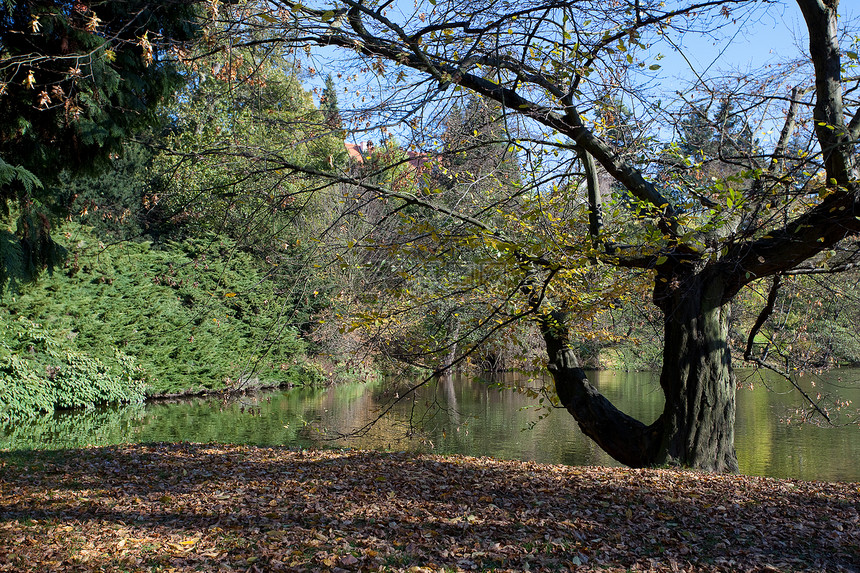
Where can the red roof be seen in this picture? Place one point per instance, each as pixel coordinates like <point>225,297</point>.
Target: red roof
<point>358,152</point>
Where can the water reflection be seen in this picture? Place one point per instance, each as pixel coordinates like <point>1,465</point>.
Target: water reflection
<point>460,414</point>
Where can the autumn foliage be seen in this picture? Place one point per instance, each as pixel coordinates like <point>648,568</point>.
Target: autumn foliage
<point>192,507</point>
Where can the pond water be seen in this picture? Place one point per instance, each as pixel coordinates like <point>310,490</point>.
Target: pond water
<point>465,416</point>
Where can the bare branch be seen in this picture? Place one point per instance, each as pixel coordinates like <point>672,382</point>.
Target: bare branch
<point>763,316</point>
<point>762,364</point>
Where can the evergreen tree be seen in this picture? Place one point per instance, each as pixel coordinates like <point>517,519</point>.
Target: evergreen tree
<point>696,133</point>
<point>619,124</point>
<point>733,136</point>
<point>78,80</point>
<point>219,180</point>
<point>726,134</point>
<point>328,104</point>
<point>476,149</point>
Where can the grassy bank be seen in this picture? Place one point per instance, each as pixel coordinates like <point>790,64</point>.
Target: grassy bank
<point>186,507</point>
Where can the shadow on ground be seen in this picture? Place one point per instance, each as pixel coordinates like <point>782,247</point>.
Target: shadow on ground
<point>161,507</point>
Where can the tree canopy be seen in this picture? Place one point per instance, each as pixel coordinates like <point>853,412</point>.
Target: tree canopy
<point>608,195</point>
<point>531,174</point>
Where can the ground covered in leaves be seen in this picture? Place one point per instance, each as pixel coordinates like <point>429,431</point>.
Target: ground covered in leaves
<point>193,507</point>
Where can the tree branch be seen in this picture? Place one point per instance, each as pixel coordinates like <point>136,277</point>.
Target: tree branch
<point>832,133</point>
<point>623,437</point>
<point>836,217</point>
<point>763,316</point>
<point>567,121</point>
<point>761,363</point>
<point>595,218</point>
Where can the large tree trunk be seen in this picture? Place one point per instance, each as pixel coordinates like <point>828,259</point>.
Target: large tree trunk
<point>697,379</point>
<point>696,428</point>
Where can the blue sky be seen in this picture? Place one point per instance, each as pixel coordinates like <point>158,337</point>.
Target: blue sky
<point>749,41</point>
<point>759,38</point>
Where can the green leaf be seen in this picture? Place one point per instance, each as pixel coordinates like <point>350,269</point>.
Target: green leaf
<point>654,67</point>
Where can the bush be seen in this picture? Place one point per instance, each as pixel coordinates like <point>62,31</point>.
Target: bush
<point>196,315</point>
<point>39,373</point>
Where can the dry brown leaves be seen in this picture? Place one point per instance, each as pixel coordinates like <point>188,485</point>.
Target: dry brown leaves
<point>184,507</point>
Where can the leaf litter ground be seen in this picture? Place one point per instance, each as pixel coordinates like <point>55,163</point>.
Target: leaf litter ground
<point>196,507</point>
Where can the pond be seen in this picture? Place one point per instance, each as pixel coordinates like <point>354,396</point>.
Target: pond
<point>465,416</point>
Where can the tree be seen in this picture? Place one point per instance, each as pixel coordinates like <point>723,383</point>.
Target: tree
<point>547,63</point>
<point>230,132</point>
<point>77,80</point>
<point>697,133</point>
<point>328,104</point>
<point>477,148</point>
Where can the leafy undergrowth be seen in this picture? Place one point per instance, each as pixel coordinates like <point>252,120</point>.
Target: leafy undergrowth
<point>186,507</point>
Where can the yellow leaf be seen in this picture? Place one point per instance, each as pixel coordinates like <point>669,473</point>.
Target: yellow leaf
<point>93,23</point>
<point>230,294</point>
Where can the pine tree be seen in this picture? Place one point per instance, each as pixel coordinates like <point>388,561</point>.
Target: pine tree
<point>696,133</point>
<point>328,105</point>
<point>477,147</point>
<point>733,134</point>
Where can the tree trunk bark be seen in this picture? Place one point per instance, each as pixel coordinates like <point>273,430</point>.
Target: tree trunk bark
<point>621,436</point>
<point>697,378</point>
<point>696,428</point>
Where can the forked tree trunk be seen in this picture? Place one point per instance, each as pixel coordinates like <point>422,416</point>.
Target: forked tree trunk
<point>696,428</point>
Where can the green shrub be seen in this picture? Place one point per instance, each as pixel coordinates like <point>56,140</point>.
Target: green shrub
<point>196,314</point>
<point>39,373</point>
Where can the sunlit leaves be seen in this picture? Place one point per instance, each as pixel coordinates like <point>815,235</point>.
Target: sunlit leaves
<point>93,22</point>
<point>305,510</point>
<point>146,46</point>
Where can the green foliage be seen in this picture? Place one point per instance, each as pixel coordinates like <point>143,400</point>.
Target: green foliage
<point>78,80</point>
<point>813,324</point>
<point>12,267</point>
<point>197,314</point>
<point>236,136</point>
<point>114,202</point>
<point>477,156</point>
<point>10,173</point>
<point>39,372</point>
<point>328,104</point>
